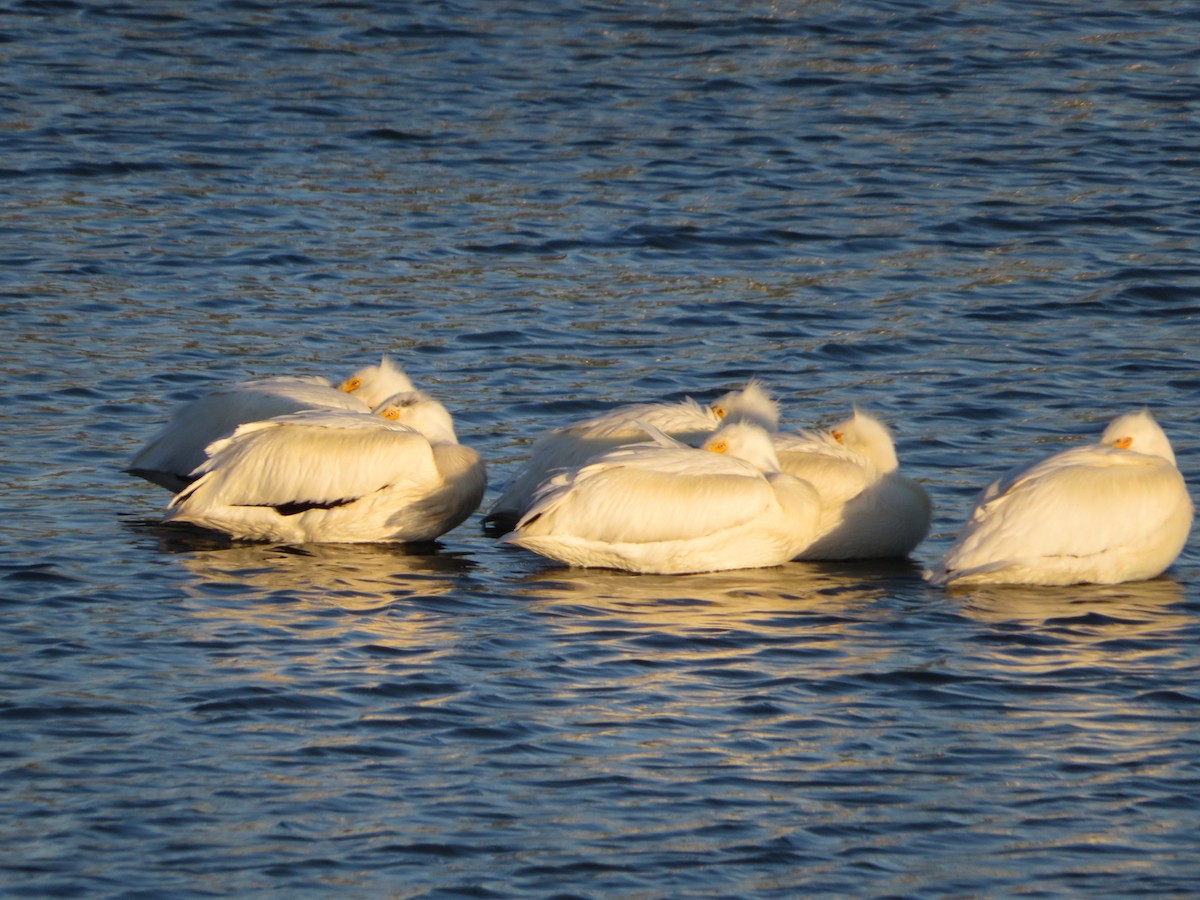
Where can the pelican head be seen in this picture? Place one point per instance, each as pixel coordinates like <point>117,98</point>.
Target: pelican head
<point>751,404</point>
<point>422,413</point>
<point>747,441</point>
<point>1140,433</point>
<point>866,436</point>
<point>375,384</point>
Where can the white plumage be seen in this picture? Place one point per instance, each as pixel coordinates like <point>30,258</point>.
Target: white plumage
<point>338,476</point>
<point>574,444</point>
<point>1114,511</point>
<point>169,456</point>
<point>667,508</point>
<point>868,509</point>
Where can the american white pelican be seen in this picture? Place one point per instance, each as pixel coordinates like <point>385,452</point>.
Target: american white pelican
<point>575,444</point>
<point>1114,511</point>
<point>868,509</point>
<point>338,476</point>
<point>667,508</point>
<point>169,456</point>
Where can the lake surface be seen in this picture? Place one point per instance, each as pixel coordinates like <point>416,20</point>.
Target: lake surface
<point>980,221</point>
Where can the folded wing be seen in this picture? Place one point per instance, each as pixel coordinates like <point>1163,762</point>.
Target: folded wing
<point>313,458</point>
<point>649,493</point>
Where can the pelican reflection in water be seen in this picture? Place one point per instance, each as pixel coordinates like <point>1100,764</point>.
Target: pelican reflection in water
<point>1133,607</point>
<point>351,577</point>
<point>718,600</point>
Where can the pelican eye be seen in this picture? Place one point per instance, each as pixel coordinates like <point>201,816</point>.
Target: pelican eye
<point>1123,443</point>
<point>720,412</point>
<point>391,413</point>
<point>351,384</point>
<point>839,436</point>
<point>719,446</point>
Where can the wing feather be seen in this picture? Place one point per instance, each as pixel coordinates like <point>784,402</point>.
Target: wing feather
<point>837,480</point>
<point>179,446</point>
<point>309,458</point>
<point>838,473</point>
<point>625,422</point>
<point>573,445</point>
<point>651,493</point>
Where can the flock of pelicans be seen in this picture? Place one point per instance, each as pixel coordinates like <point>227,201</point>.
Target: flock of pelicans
<point>656,487</point>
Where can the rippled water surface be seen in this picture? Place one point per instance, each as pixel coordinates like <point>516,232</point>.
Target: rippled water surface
<point>979,220</point>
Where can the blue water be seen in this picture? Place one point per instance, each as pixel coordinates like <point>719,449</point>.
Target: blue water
<point>981,221</point>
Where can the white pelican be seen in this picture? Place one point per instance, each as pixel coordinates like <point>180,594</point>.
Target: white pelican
<point>868,509</point>
<point>169,456</point>
<point>667,508</point>
<point>338,476</point>
<point>575,444</point>
<point>1114,511</point>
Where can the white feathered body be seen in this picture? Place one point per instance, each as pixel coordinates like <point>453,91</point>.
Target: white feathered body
<point>868,509</point>
<point>332,476</point>
<point>667,509</point>
<point>169,457</point>
<point>573,445</point>
<point>1099,514</point>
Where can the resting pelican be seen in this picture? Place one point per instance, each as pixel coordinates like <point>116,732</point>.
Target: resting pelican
<point>573,445</point>
<point>868,509</point>
<point>667,508</point>
<point>338,476</point>
<point>1114,511</point>
<point>169,456</point>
